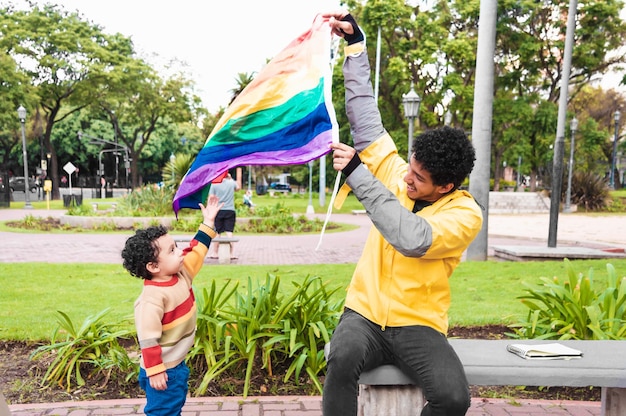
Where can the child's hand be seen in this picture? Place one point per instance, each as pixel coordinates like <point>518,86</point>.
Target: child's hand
<point>209,212</point>
<point>159,381</point>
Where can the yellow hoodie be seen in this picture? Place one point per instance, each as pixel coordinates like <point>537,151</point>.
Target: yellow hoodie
<point>392,288</point>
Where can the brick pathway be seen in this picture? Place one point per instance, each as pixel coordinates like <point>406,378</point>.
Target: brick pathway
<point>292,406</point>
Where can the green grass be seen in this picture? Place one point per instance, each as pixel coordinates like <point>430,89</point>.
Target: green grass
<point>482,292</point>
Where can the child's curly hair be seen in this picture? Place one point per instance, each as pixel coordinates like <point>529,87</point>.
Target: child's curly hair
<point>141,249</point>
<point>446,153</point>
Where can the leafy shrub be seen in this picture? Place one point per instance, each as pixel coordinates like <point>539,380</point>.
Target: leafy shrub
<point>187,223</point>
<point>616,205</point>
<point>279,219</point>
<point>572,309</point>
<point>211,353</point>
<point>148,201</point>
<point>173,172</point>
<point>589,190</point>
<point>262,327</point>
<point>94,346</point>
<point>30,222</point>
<point>308,325</point>
<point>80,210</point>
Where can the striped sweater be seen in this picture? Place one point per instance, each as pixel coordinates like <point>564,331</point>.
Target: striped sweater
<point>165,312</point>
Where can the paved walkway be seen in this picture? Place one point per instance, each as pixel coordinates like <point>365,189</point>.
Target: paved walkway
<point>293,406</point>
<point>344,247</point>
<point>522,229</point>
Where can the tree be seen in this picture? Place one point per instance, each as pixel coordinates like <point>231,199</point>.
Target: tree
<point>65,57</point>
<point>15,91</point>
<point>435,47</point>
<point>140,104</point>
<point>594,108</point>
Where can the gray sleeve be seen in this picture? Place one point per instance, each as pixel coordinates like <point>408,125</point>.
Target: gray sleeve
<point>408,233</point>
<point>361,108</point>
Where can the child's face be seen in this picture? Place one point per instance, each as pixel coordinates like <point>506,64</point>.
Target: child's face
<point>170,260</point>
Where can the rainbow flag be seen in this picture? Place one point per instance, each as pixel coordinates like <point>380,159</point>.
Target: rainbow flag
<point>284,116</point>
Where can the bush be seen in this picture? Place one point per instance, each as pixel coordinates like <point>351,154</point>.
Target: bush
<point>261,326</point>
<point>589,190</point>
<point>94,346</point>
<point>279,219</point>
<point>148,201</point>
<point>572,309</point>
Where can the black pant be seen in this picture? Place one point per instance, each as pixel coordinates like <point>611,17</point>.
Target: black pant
<point>420,352</point>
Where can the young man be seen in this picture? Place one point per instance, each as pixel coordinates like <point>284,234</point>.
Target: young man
<point>396,309</point>
<point>165,312</point>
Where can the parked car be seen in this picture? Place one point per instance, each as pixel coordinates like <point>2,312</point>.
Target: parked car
<point>280,187</point>
<point>16,183</point>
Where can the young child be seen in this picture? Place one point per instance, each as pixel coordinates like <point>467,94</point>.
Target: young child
<point>247,199</point>
<point>165,312</point>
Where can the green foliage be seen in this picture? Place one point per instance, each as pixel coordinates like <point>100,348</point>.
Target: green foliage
<point>94,346</point>
<point>80,210</point>
<point>211,353</point>
<point>174,171</point>
<point>148,201</point>
<point>310,320</point>
<point>187,223</point>
<point>264,325</point>
<point>572,309</point>
<point>589,191</point>
<point>279,219</point>
<point>616,205</point>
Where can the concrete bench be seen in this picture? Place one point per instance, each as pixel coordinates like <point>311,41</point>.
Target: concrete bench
<point>223,248</point>
<point>488,363</point>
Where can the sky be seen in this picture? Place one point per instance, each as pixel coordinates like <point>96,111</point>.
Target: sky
<point>217,39</point>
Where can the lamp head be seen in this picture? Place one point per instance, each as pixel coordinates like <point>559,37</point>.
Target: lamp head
<point>574,124</point>
<point>21,113</point>
<point>411,102</point>
<point>617,116</point>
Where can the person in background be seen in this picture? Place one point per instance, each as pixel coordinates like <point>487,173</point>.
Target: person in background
<point>247,199</point>
<point>396,308</point>
<point>226,218</point>
<point>165,311</point>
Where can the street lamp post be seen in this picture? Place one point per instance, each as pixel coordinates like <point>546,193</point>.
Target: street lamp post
<point>568,196</point>
<point>117,147</point>
<point>309,208</point>
<point>173,166</point>
<point>21,114</point>
<point>411,102</point>
<point>616,117</point>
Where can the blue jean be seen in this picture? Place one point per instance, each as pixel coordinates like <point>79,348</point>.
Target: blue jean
<point>168,402</point>
<point>421,352</point>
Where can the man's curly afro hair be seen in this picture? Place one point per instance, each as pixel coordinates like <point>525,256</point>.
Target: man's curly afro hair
<point>141,249</point>
<point>446,153</point>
